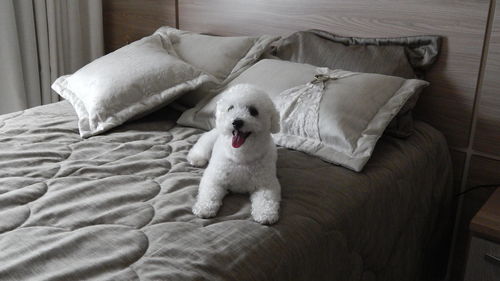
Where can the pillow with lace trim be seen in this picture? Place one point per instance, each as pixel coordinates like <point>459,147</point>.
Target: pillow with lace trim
<point>335,115</point>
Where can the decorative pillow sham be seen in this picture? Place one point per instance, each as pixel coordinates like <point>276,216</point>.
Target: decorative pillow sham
<point>223,57</point>
<point>337,116</point>
<point>128,82</point>
<point>406,57</point>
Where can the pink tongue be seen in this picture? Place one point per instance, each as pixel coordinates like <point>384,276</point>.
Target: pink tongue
<point>238,140</point>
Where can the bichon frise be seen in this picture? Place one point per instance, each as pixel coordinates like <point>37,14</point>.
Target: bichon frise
<point>241,154</point>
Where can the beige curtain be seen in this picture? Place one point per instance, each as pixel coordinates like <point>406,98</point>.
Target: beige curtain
<point>41,40</point>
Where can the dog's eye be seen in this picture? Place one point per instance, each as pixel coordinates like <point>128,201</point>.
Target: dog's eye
<point>231,107</point>
<point>253,111</point>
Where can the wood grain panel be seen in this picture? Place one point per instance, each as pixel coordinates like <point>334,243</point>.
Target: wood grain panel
<point>487,137</point>
<point>128,20</point>
<point>483,171</point>
<point>447,104</point>
<point>458,162</point>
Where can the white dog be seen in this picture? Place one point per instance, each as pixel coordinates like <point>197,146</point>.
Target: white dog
<point>242,154</point>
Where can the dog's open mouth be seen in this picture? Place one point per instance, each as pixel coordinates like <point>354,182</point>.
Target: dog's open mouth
<point>239,138</point>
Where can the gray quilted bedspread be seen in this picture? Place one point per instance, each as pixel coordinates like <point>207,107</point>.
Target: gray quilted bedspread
<point>118,207</point>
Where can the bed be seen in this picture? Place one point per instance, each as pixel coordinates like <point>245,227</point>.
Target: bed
<point>118,207</point>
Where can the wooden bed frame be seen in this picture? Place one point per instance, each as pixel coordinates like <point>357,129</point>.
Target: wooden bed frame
<point>463,100</point>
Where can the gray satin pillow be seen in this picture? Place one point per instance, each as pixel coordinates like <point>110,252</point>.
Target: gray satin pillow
<point>220,56</point>
<point>406,57</point>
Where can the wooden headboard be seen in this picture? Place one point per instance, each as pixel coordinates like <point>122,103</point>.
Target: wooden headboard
<point>463,101</point>
<point>447,104</point>
<point>126,21</point>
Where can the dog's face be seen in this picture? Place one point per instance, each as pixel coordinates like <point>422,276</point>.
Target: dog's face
<point>245,112</point>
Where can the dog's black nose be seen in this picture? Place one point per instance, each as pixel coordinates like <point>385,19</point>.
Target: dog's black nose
<point>237,124</point>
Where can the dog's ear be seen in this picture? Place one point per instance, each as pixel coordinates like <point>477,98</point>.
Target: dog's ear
<point>275,120</point>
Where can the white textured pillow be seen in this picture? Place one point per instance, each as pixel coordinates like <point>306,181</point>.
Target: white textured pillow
<point>133,80</point>
<point>223,57</point>
<point>339,121</point>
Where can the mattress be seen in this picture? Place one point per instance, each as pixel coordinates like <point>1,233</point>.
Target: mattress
<point>118,207</point>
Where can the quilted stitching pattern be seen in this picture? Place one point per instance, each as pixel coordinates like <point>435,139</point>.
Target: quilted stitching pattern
<point>118,207</point>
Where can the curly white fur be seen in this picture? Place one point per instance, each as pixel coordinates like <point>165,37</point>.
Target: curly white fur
<point>250,167</point>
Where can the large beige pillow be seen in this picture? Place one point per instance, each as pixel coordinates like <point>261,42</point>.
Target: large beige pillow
<point>129,82</point>
<point>339,119</point>
<point>223,57</point>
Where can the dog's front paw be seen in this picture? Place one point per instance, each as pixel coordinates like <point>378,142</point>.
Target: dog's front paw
<point>196,160</point>
<point>266,216</point>
<point>206,209</point>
